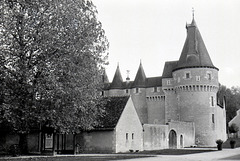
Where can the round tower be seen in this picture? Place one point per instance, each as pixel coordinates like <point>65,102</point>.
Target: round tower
<point>196,85</point>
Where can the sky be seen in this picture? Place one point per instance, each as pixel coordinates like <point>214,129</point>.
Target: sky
<point>153,32</point>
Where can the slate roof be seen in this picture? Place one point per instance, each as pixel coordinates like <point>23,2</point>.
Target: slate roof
<point>113,111</point>
<point>168,68</point>
<point>117,80</point>
<point>194,52</point>
<point>154,82</point>
<point>140,78</point>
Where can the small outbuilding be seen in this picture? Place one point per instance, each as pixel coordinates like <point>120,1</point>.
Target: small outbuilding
<point>120,130</point>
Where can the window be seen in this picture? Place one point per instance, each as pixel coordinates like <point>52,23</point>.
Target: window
<point>126,136</point>
<point>127,91</point>
<point>212,118</point>
<point>137,90</point>
<point>102,93</point>
<point>178,79</point>
<point>212,101</point>
<point>197,78</point>
<point>168,82</point>
<point>132,136</point>
<point>209,76</point>
<point>187,75</point>
<point>154,89</point>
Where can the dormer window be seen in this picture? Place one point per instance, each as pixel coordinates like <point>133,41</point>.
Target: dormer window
<point>187,75</point>
<point>209,76</point>
<point>198,78</point>
<point>137,90</point>
<point>168,82</point>
<point>154,89</point>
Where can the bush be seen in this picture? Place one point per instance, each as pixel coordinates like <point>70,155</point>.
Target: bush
<point>233,128</point>
<point>232,141</point>
<point>219,141</point>
<point>14,150</point>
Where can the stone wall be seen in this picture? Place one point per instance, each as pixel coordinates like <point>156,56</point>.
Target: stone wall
<point>156,106</point>
<point>184,129</point>
<point>155,137</point>
<point>96,141</point>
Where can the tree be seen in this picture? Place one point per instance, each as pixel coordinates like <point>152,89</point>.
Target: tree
<point>52,54</point>
<point>233,128</point>
<point>232,100</point>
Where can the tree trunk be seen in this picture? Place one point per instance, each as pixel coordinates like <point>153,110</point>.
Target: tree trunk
<point>23,143</point>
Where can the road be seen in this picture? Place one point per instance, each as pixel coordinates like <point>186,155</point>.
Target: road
<point>224,155</point>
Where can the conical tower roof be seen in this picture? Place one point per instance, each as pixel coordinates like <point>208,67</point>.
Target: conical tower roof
<point>140,79</point>
<point>117,82</point>
<point>194,52</point>
<point>105,77</point>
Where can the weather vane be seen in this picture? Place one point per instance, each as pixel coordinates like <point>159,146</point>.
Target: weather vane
<point>193,12</point>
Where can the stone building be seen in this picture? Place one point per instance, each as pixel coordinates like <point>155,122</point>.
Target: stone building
<point>178,109</point>
<point>180,105</point>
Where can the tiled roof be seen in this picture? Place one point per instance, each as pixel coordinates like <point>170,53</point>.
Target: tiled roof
<point>154,82</point>
<point>140,78</point>
<point>194,52</point>
<point>117,80</point>
<point>168,68</point>
<point>113,110</point>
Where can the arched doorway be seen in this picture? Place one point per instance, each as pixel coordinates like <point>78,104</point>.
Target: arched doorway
<point>181,141</point>
<point>172,139</point>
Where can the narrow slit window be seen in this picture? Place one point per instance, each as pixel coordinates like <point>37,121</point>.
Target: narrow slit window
<point>126,136</point>
<point>212,101</point>
<point>132,136</point>
<point>212,118</point>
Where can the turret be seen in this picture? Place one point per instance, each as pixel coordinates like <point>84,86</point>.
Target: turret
<point>138,93</point>
<point>117,82</point>
<point>116,88</point>
<point>195,82</point>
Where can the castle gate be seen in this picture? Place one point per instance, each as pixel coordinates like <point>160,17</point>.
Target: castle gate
<point>172,139</point>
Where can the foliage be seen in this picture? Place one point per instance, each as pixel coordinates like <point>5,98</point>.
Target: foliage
<point>219,141</point>
<point>52,54</point>
<point>232,97</point>
<point>232,142</point>
<point>233,128</point>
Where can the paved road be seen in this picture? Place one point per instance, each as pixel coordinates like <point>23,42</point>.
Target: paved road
<point>224,155</point>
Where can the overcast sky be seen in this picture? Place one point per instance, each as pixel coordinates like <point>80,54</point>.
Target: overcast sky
<point>154,32</point>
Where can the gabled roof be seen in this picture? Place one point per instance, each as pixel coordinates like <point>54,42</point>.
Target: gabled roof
<point>194,52</point>
<point>154,82</point>
<point>168,68</point>
<point>113,110</point>
<point>117,80</point>
<point>140,78</point>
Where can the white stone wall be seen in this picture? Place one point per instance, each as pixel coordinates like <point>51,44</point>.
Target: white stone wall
<point>155,136</point>
<point>129,130</point>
